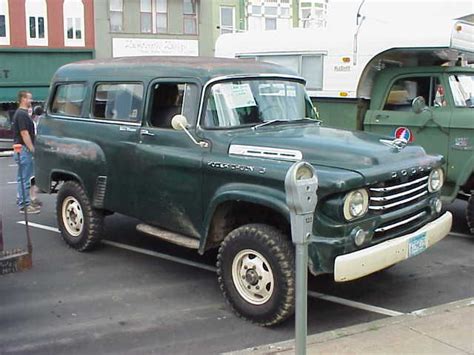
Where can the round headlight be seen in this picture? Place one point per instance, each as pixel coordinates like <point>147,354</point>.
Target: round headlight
<point>436,180</point>
<point>356,204</point>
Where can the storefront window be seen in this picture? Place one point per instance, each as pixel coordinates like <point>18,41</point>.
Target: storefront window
<point>4,23</point>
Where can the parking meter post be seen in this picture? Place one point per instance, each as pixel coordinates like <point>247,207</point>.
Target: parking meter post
<point>301,184</point>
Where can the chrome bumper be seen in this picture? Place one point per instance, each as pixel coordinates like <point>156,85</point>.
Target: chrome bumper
<point>367,261</point>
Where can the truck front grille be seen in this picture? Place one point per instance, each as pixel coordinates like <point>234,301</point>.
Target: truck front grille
<point>387,197</point>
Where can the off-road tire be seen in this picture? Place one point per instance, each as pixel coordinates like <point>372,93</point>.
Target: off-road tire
<point>93,219</point>
<point>278,251</point>
<point>470,213</point>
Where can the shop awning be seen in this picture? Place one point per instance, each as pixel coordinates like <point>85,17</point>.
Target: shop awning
<point>9,94</point>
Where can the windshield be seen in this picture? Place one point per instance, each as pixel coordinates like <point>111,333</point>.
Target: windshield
<point>462,87</point>
<point>252,102</point>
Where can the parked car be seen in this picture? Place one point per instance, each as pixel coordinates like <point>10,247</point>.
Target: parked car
<point>6,133</point>
<point>198,149</point>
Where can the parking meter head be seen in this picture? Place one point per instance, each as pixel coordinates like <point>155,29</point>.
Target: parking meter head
<point>301,184</point>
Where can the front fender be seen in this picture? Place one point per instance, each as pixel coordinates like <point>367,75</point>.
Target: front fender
<point>256,194</point>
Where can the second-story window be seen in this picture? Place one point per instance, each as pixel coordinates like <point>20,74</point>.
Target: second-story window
<point>36,23</point>
<point>4,23</point>
<point>73,12</point>
<point>227,19</point>
<point>190,17</point>
<point>116,15</point>
<point>269,14</point>
<point>154,16</point>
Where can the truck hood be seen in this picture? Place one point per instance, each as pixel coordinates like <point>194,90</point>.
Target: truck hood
<point>360,152</point>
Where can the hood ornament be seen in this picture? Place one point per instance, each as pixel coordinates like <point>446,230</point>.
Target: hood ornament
<point>397,144</point>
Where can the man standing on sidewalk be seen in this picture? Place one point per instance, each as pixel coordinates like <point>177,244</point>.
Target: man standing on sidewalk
<point>24,134</point>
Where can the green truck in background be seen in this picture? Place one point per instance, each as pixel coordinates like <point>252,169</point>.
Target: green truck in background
<point>418,88</point>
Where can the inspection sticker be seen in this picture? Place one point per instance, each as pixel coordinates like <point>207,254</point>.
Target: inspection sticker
<point>417,245</point>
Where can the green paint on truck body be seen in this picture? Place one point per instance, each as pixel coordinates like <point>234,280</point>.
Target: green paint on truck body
<point>166,180</point>
<point>451,134</point>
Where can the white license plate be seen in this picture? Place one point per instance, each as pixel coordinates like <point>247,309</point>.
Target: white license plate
<point>416,244</point>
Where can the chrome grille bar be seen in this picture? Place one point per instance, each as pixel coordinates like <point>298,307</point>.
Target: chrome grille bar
<point>396,187</point>
<point>398,224</point>
<point>391,205</point>
<point>401,194</point>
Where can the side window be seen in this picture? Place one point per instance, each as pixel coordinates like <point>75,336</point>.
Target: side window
<point>118,101</point>
<point>404,90</point>
<point>68,100</point>
<point>170,99</point>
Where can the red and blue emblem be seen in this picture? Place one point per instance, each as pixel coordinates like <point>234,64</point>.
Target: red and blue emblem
<point>404,133</point>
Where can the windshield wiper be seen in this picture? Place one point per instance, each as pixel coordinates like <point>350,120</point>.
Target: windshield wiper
<point>269,123</point>
<point>308,119</point>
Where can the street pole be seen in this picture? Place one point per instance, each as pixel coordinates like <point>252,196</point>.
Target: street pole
<point>301,312</point>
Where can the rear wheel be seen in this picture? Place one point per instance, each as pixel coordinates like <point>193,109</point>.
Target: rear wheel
<point>255,267</point>
<point>80,224</point>
<point>470,213</point>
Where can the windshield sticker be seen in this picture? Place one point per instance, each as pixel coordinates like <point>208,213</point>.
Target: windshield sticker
<point>291,91</point>
<point>271,90</point>
<point>238,95</point>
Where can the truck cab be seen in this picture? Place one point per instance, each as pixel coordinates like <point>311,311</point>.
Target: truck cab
<point>445,125</point>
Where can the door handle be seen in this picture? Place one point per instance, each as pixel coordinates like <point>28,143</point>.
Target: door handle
<point>145,132</point>
<point>379,116</point>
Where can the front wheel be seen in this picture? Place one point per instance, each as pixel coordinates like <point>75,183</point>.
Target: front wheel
<point>80,224</point>
<point>255,268</point>
<point>470,213</point>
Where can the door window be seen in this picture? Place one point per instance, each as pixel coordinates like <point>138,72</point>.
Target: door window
<point>68,100</point>
<point>405,90</point>
<point>118,101</point>
<point>171,99</point>
<point>462,87</point>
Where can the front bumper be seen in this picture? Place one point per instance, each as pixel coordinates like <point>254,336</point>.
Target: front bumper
<point>367,261</point>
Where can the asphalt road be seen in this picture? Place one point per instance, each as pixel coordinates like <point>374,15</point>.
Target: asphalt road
<point>114,300</point>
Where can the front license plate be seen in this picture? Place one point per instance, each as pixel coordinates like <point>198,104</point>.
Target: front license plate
<point>416,245</point>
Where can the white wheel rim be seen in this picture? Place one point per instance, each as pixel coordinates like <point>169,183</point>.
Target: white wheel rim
<point>73,217</point>
<point>253,277</point>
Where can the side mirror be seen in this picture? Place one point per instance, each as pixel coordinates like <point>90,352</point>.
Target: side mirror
<point>418,104</point>
<point>38,110</point>
<point>180,123</point>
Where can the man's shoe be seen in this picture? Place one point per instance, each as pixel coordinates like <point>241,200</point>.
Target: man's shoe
<point>36,203</point>
<point>30,209</point>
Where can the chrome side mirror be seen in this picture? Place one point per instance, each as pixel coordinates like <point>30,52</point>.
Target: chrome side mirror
<point>38,110</point>
<point>180,123</point>
<point>418,104</point>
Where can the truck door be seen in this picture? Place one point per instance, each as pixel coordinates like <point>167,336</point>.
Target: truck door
<point>396,118</point>
<point>461,143</point>
<point>169,180</point>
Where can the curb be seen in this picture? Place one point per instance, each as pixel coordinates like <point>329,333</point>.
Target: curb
<point>288,346</point>
<point>7,153</point>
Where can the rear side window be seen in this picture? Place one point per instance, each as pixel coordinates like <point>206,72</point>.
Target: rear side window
<point>68,100</point>
<point>118,101</point>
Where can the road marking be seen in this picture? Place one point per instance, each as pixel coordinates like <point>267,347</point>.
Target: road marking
<point>354,304</point>
<point>462,235</point>
<point>322,296</point>
<point>40,226</point>
<point>11,182</point>
<point>12,165</point>
<point>135,249</point>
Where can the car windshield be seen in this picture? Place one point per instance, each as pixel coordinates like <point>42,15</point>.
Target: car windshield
<point>462,87</point>
<point>253,102</point>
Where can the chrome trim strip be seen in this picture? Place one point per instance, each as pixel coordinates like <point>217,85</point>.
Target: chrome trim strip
<point>124,123</point>
<point>265,152</point>
<point>386,207</point>
<point>391,197</point>
<point>398,224</point>
<point>396,187</point>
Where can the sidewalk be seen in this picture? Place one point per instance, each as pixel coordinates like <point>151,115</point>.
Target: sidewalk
<point>445,329</point>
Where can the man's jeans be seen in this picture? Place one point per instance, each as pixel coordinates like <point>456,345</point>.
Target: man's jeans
<point>27,171</point>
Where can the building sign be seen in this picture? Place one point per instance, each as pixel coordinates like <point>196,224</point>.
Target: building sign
<point>136,47</point>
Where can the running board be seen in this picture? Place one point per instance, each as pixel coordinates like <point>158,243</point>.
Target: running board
<point>168,236</point>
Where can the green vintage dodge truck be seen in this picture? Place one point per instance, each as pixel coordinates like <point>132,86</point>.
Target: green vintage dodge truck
<point>198,150</point>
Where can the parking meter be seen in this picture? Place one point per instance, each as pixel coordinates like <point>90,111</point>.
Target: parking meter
<point>301,184</point>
